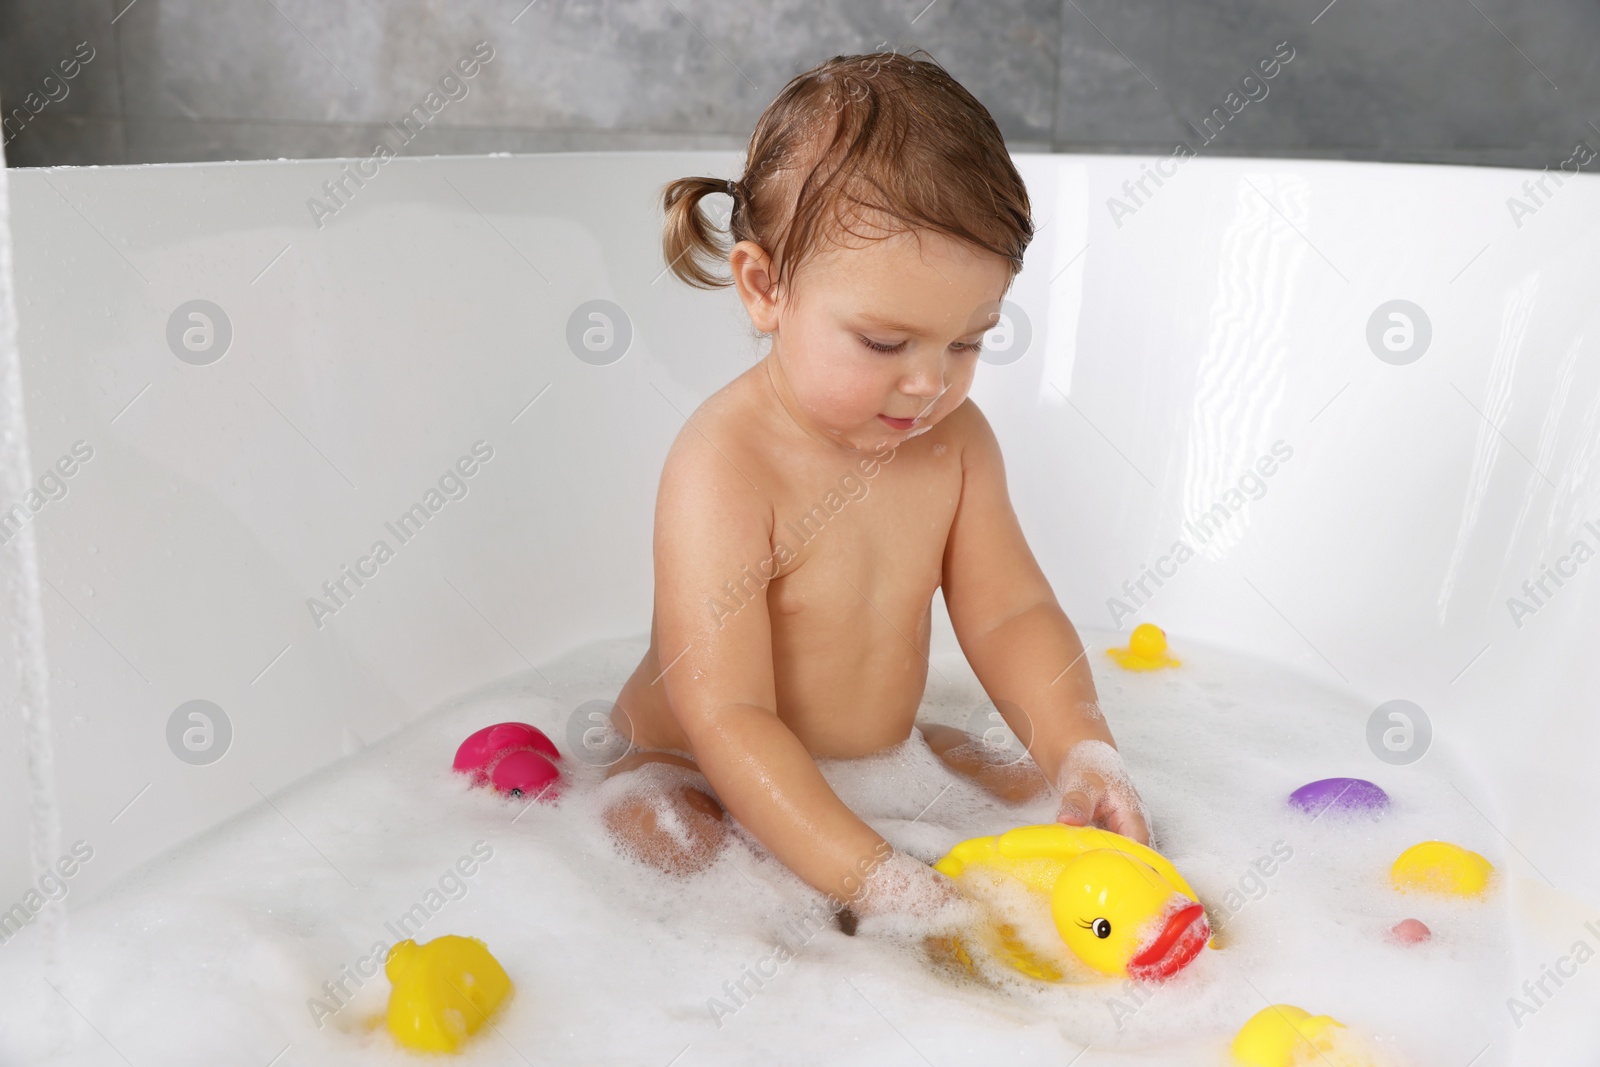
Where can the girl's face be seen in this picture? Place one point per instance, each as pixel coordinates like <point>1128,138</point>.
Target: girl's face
<point>875,345</point>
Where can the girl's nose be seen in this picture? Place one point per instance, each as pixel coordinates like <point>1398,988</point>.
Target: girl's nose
<point>925,380</point>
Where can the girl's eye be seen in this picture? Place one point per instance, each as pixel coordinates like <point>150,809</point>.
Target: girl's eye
<point>967,347</point>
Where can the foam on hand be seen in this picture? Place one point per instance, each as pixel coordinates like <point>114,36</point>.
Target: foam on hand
<point>904,897</point>
<point>1093,769</point>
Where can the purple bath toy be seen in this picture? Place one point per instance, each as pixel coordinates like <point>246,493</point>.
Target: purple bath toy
<point>1343,794</point>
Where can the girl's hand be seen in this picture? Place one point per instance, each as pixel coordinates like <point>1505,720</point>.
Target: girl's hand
<point>1095,788</point>
<point>904,895</point>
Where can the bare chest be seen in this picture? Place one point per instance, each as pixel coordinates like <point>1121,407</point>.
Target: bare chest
<point>867,539</point>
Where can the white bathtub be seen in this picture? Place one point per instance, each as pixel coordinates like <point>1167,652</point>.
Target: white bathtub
<point>1174,339</point>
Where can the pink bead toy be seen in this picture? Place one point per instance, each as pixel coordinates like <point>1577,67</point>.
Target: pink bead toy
<point>1410,932</point>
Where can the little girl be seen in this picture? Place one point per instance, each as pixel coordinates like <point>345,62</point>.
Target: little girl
<point>809,509</point>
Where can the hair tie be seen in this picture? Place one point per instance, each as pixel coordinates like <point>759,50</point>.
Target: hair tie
<point>732,187</point>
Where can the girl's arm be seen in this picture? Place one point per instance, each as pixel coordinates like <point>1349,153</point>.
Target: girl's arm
<point>712,522</point>
<point>1025,650</point>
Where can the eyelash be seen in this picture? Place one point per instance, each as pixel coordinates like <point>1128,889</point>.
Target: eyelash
<point>876,347</point>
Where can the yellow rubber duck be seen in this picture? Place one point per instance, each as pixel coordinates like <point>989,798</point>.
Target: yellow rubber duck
<point>1285,1036</point>
<point>1119,906</point>
<point>1146,651</point>
<point>443,992</point>
<point>1442,868</point>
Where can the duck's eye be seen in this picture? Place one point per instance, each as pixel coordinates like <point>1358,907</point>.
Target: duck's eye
<point>1102,928</point>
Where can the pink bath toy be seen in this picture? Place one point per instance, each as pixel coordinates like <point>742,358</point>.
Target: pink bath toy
<point>524,772</point>
<point>513,757</point>
<point>1410,932</point>
<point>1346,795</point>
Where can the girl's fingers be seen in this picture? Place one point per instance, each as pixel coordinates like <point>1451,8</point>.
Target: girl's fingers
<point>1125,819</point>
<point>1076,808</point>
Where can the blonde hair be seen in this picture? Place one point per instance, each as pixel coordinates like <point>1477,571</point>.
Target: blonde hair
<point>883,135</point>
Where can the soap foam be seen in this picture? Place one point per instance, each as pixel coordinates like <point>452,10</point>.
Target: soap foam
<point>217,950</point>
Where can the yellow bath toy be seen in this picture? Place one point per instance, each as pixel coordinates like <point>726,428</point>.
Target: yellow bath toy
<point>1146,651</point>
<point>1285,1036</point>
<point>1440,867</point>
<point>443,991</point>
<point>1119,906</point>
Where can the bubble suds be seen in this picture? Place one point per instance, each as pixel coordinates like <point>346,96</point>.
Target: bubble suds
<point>219,945</point>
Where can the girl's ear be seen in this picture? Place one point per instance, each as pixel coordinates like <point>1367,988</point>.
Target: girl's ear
<point>752,277</point>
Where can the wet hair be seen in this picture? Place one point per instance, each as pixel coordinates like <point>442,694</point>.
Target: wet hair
<point>884,139</point>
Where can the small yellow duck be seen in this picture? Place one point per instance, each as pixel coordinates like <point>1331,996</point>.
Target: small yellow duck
<point>1442,868</point>
<point>1119,906</point>
<point>1285,1036</point>
<point>443,991</point>
<point>1146,651</point>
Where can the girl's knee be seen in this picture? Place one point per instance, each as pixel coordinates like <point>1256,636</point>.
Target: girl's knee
<point>670,823</point>
<point>1015,782</point>
<point>942,738</point>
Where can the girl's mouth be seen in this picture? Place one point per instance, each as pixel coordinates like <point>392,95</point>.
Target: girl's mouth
<point>898,424</point>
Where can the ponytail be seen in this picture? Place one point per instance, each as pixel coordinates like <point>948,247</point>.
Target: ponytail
<point>689,242</point>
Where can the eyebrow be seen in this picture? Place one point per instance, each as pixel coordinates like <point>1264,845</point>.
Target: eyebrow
<point>885,324</point>
<point>900,327</point>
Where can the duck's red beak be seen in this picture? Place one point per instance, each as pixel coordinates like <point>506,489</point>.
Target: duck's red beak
<point>1180,941</point>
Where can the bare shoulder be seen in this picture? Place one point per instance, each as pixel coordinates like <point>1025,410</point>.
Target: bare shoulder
<point>711,463</point>
<point>969,433</point>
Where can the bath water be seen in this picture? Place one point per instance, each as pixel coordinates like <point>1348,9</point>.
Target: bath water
<point>249,944</point>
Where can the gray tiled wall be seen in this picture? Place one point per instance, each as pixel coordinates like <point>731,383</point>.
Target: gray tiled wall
<point>1462,81</point>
